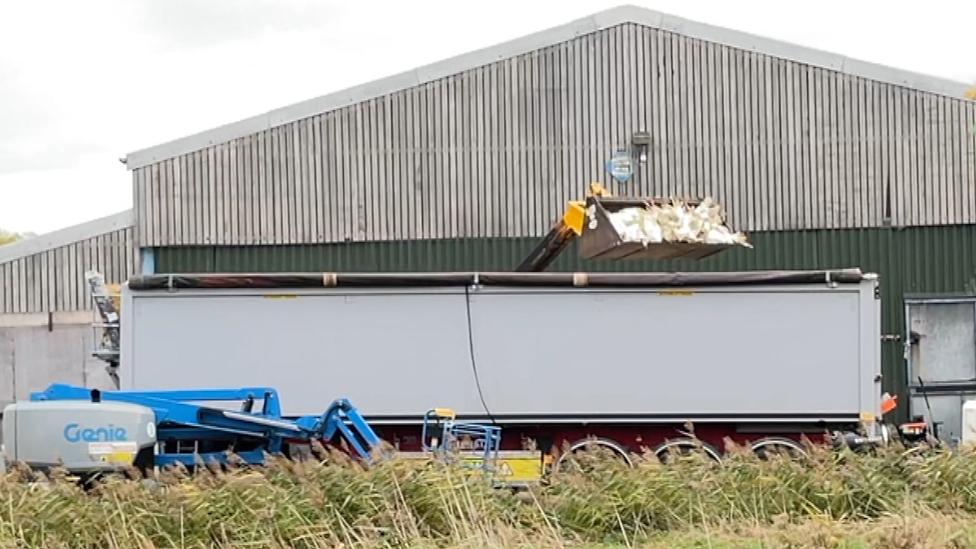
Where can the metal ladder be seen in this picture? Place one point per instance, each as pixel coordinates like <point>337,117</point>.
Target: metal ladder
<point>108,344</point>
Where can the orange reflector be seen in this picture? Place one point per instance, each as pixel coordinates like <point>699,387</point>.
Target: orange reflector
<point>889,404</point>
<point>916,428</point>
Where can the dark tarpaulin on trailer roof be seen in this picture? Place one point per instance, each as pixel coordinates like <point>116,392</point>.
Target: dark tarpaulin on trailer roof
<point>350,280</point>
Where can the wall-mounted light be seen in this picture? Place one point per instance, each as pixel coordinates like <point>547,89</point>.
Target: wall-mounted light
<point>640,142</point>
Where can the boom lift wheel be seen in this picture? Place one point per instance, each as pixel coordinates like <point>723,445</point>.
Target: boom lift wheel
<point>685,446</point>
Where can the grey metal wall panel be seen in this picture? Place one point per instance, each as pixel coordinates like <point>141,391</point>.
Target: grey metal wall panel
<point>497,150</point>
<point>54,279</point>
<point>528,44</point>
<point>946,348</point>
<point>8,383</point>
<point>395,351</point>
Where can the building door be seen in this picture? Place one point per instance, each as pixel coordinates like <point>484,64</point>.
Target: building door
<point>941,360</point>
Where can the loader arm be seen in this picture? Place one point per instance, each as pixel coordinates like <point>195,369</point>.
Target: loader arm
<point>563,231</point>
<point>569,226</point>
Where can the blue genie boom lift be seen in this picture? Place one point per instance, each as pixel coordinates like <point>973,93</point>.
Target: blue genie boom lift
<point>97,431</point>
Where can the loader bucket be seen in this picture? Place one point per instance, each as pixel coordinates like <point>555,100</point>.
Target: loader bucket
<point>604,242</point>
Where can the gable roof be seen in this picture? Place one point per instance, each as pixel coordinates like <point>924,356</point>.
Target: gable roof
<point>66,236</point>
<point>556,35</point>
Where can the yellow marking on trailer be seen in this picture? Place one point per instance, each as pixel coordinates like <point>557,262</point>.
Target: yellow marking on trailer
<point>676,293</point>
<point>280,296</point>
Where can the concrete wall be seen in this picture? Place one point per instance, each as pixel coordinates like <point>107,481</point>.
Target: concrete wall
<point>35,353</point>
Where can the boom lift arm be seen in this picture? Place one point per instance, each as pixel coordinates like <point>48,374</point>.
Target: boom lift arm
<point>188,431</point>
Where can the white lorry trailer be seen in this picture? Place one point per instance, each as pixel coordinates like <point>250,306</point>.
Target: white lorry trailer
<point>554,358</point>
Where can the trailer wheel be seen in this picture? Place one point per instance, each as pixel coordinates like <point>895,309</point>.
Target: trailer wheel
<point>683,447</point>
<point>568,463</point>
<point>770,446</point>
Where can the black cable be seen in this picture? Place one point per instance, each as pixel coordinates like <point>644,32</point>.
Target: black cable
<point>474,363</point>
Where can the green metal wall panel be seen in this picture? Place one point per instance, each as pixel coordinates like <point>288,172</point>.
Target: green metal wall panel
<point>909,261</point>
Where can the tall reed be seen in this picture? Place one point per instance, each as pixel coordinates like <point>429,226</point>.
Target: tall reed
<point>333,501</point>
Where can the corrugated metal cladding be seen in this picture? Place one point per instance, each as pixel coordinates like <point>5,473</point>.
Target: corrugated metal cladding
<point>54,280</point>
<point>909,261</point>
<point>496,151</point>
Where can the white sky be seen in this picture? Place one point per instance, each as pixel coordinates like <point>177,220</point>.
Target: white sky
<point>82,83</point>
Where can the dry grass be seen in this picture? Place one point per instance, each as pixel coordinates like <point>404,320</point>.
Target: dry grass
<point>893,499</point>
<point>907,531</point>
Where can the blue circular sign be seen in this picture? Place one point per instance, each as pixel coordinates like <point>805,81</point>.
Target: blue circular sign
<point>621,165</point>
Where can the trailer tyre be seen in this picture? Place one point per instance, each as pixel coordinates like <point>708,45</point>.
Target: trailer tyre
<point>769,446</point>
<point>567,462</point>
<point>685,446</point>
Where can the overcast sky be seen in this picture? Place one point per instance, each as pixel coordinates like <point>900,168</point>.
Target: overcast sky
<point>84,83</point>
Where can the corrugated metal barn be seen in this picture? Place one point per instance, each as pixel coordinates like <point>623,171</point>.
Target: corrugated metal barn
<point>493,143</point>
<point>46,314</point>
<point>826,161</point>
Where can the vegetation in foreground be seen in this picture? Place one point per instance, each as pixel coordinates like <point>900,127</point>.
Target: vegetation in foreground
<point>895,498</point>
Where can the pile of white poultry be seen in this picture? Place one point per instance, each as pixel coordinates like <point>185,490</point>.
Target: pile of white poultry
<point>675,221</point>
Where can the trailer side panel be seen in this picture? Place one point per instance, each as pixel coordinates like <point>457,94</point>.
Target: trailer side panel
<point>767,353</point>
